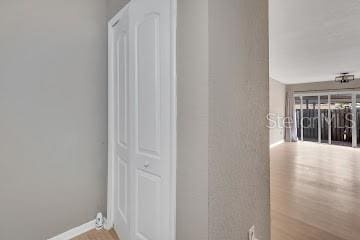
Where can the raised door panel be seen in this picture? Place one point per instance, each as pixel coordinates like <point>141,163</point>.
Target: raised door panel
<point>122,181</point>
<point>147,210</point>
<point>121,123</point>
<point>148,86</point>
<point>122,86</point>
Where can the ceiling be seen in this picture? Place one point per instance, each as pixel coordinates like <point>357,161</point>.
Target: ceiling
<point>313,40</point>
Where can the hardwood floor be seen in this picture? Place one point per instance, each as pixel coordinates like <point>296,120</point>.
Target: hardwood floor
<point>315,192</point>
<point>98,235</point>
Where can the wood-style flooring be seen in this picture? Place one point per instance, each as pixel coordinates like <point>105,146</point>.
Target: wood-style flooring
<point>315,192</point>
<point>98,235</point>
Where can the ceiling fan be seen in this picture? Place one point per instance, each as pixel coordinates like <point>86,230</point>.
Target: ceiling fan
<point>345,77</point>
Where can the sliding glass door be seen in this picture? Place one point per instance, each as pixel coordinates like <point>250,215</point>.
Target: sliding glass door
<point>298,117</point>
<point>357,105</point>
<point>324,118</point>
<point>341,119</point>
<point>332,117</point>
<point>310,106</point>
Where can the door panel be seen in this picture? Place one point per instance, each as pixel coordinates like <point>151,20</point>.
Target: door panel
<point>310,108</point>
<point>121,77</point>
<point>324,118</point>
<point>357,119</point>
<point>341,119</point>
<point>148,86</point>
<point>143,98</point>
<point>147,206</point>
<point>120,73</point>
<point>123,189</point>
<point>151,69</point>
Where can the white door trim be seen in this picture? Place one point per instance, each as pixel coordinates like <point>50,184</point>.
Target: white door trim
<point>111,127</point>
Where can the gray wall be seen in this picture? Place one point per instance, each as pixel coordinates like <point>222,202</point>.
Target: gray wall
<point>277,109</point>
<point>322,86</point>
<point>53,126</point>
<point>192,170</point>
<point>113,6</point>
<point>238,103</point>
<point>53,103</point>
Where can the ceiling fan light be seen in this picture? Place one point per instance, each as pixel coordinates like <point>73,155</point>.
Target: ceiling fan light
<point>338,78</point>
<point>344,78</point>
<point>349,77</point>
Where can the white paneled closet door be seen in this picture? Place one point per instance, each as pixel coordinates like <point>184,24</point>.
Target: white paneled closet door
<point>150,68</point>
<point>145,89</point>
<point>122,138</point>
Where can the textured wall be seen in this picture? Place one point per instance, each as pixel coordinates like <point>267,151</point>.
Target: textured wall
<point>113,6</point>
<point>277,109</point>
<point>238,104</point>
<point>192,171</point>
<point>53,126</point>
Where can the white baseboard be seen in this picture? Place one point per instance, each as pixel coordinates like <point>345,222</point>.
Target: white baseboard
<point>277,143</point>
<point>75,231</point>
<point>108,225</point>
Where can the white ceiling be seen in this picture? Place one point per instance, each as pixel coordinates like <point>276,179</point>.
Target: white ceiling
<point>313,40</point>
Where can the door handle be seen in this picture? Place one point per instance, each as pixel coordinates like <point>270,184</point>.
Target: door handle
<point>147,164</point>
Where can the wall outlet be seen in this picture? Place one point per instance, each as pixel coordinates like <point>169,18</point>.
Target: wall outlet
<point>252,233</point>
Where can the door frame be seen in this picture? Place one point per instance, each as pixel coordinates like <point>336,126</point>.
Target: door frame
<point>111,124</point>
